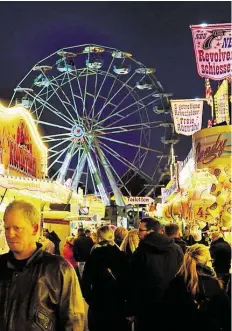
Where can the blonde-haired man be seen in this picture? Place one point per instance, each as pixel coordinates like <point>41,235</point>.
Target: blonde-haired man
<point>38,291</point>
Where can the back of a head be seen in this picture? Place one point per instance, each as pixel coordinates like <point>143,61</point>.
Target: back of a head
<point>87,232</point>
<point>172,230</point>
<point>69,240</point>
<point>216,235</point>
<point>151,224</point>
<point>45,233</point>
<point>195,255</point>
<point>28,209</point>
<point>80,232</point>
<point>105,233</point>
<point>133,239</point>
<point>120,233</point>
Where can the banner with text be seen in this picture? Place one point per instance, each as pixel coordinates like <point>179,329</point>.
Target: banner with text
<point>221,101</point>
<point>212,46</point>
<point>187,115</point>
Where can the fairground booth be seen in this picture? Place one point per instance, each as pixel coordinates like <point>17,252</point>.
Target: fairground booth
<point>23,175</point>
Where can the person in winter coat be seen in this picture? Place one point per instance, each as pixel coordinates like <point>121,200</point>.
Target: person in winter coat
<point>172,231</point>
<point>81,249</point>
<point>38,290</point>
<point>220,252</point>
<point>47,244</point>
<point>196,295</point>
<point>68,256</point>
<point>104,284</point>
<point>130,243</point>
<point>119,234</point>
<point>153,265</point>
<point>68,251</point>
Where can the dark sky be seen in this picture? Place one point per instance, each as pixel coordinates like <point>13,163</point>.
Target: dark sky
<point>156,33</point>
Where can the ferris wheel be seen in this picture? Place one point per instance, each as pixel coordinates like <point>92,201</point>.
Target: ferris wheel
<point>102,113</point>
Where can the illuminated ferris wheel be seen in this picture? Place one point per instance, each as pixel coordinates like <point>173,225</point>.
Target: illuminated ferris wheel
<point>101,113</point>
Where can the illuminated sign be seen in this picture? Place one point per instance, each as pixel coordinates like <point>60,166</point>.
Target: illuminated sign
<point>212,146</point>
<point>221,101</point>
<point>21,150</point>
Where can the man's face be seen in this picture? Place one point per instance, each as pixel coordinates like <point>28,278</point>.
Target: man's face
<point>142,231</point>
<point>20,233</point>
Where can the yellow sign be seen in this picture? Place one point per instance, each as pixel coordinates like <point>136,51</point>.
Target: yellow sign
<point>221,100</point>
<point>97,207</point>
<point>22,152</point>
<point>212,146</point>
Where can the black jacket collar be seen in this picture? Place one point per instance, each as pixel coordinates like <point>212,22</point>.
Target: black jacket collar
<point>37,254</point>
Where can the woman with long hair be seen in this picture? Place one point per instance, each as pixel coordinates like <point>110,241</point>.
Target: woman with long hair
<point>104,284</point>
<point>119,234</point>
<point>195,298</point>
<point>130,243</point>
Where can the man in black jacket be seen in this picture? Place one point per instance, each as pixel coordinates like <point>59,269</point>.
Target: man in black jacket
<point>172,231</point>
<point>154,264</point>
<point>38,290</point>
<point>81,249</point>
<point>220,252</point>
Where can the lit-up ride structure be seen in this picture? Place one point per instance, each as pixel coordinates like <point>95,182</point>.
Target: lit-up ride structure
<point>101,113</point>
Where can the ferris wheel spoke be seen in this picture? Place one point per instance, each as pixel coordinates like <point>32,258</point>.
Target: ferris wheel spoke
<point>59,87</point>
<point>124,161</point>
<point>98,179</point>
<point>53,125</point>
<point>82,159</point>
<point>125,108</point>
<point>60,154</point>
<point>92,179</point>
<point>58,144</point>
<point>73,98</point>
<point>130,114</point>
<point>79,86</point>
<point>157,166</point>
<point>56,173</point>
<point>132,145</point>
<point>112,86</point>
<point>62,102</point>
<point>126,130</point>
<point>42,105</point>
<point>146,125</point>
<point>131,90</point>
<point>95,91</point>
<point>116,93</point>
<point>56,135</point>
<point>86,84</point>
<point>115,172</point>
<point>54,139</point>
<point>101,86</point>
<point>115,78</point>
<point>54,110</point>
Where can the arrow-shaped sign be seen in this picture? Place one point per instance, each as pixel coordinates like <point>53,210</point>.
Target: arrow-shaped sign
<point>139,200</point>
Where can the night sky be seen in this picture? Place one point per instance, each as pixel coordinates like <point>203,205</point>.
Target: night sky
<point>156,33</point>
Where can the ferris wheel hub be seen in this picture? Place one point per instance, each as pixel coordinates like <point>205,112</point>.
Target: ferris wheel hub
<point>78,131</point>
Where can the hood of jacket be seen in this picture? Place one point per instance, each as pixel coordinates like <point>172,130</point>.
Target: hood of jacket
<point>157,242</point>
<point>179,241</point>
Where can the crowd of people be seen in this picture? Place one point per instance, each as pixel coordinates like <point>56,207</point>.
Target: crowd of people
<point>146,279</point>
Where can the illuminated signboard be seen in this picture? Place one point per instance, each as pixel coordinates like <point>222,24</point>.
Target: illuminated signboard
<point>22,152</point>
<point>212,147</point>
